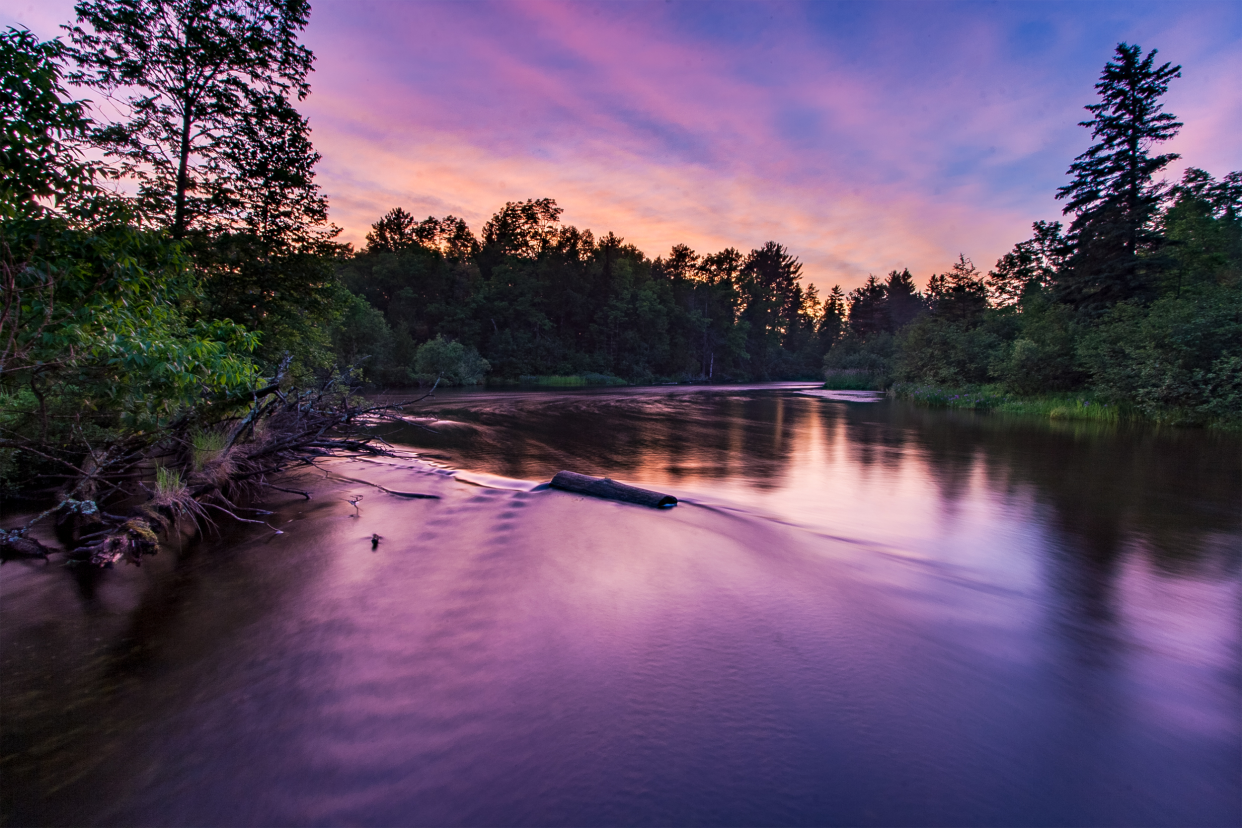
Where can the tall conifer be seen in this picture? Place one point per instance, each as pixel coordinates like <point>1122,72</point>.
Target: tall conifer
<point>1112,195</point>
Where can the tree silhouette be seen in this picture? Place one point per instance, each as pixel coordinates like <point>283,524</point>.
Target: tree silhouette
<point>187,75</point>
<point>1112,195</point>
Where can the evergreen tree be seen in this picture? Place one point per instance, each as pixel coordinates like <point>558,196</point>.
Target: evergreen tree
<point>832,318</point>
<point>1113,197</point>
<point>868,309</point>
<point>1032,264</point>
<point>959,295</point>
<point>772,302</point>
<point>903,300</point>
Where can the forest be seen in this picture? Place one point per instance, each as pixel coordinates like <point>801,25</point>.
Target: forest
<point>166,266</point>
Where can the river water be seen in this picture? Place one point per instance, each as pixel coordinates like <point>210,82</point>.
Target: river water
<point>859,613</point>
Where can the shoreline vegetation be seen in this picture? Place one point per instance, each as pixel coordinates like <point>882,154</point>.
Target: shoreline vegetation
<point>178,320</point>
<point>1064,406</point>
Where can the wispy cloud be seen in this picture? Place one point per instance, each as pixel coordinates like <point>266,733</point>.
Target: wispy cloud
<point>863,136</point>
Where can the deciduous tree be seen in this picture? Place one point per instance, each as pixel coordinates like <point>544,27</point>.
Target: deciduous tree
<point>187,76</point>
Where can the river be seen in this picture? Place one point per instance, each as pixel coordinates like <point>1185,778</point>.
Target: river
<point>860,613</point>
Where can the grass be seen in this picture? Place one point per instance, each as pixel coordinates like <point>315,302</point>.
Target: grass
<point>170,488</point>
<point>571,380</point>
<point>1080,406</point>
<point>207,446</point>
<point>852,379</point>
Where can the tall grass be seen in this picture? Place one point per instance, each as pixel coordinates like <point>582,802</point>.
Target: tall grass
<point>1081,406</point>
<point>852,379</point>
<point>207,446</point>
<point>571,380</point>
<point>168,482</point>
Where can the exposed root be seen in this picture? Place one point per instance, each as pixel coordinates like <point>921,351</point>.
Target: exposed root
<point>198,466</point>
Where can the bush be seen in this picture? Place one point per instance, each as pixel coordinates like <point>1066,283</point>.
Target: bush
<point>1044,356</point>
<point>452,362</point>
<point>847,379</point>
<point>1181,354</point>
<point>854,364</point>
<point>937,351</point>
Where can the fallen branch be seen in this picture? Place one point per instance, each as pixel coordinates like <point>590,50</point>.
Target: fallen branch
<point>610,489</point>
<point>278,430</point>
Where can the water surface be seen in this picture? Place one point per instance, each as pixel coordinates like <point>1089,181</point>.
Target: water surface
<point>861,613</point>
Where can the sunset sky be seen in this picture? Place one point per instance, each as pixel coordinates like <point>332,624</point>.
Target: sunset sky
<point>863,136</point>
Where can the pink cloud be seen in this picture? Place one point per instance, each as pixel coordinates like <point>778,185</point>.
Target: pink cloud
<point>914,133</point>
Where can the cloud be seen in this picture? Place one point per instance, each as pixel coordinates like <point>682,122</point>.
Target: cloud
<point>862,136</point>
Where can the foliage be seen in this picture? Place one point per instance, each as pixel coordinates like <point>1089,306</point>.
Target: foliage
<point>208,132</point>
<point>862,364</point>
<point>946,351</point>
<point>959,296</point>
<point>1042,355</point>
<point>450,362</point>
<point>1113,195</point>
<point>538,298</point>
<point>195,82</point>
<point>575,381</point>
<point>995,399</point>
<point>939,396</point>
<point>1135,309</point>
<point>1181,358</point>
<point>41,129</point>
<point>852,379</point>
<point>96,321</point>
<point>1031,266</point>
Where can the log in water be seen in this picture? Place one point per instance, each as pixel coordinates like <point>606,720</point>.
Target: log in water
<point>610,489</point>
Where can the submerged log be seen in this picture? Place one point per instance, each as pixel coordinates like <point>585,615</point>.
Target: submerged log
<point>610,489</point>
<point>13,545</point>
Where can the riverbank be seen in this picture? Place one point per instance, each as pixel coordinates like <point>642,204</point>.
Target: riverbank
<point>1081,405</point>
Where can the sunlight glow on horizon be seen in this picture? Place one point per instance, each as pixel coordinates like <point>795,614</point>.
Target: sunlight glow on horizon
<point>863,137</point>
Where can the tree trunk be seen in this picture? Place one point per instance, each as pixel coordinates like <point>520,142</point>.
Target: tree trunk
<point>610,489</point>
<point>183,173</point>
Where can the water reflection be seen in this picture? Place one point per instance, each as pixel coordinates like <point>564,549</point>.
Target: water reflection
<point>1085,523</point>
<point>861,614</point>
<point>1099,487</point>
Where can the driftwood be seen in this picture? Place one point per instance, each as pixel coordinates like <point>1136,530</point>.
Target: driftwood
<point>277,431</point>
<point>16,546</point>
<point>610,489</point>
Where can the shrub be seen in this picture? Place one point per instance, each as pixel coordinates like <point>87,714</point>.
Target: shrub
<point>862,365</point>
<point>933,350</point>
<point>1180,354</point>
<point>452,362</point>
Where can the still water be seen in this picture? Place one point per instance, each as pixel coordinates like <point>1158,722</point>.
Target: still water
<point>860,613</point>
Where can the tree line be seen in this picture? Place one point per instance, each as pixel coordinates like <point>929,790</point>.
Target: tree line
<point>166,261</point>
<point>536,297</point>
<point>1137,301</point>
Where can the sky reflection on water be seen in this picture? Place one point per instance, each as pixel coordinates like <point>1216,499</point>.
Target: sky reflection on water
<point>859,614</point>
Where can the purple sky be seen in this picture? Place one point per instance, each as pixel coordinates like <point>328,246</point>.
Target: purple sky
<point>863,136</point>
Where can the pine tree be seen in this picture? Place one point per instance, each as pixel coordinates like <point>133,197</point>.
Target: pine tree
<point>1031,265</point>
<point>904,301</point>
<point>868,312</point>
<point>832,318</point>
<point>959,295</point>
<point>1113,197</point>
